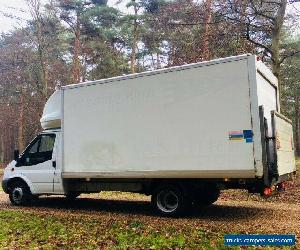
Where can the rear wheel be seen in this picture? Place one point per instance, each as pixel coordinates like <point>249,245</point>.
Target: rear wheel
<point>169,200</point>
<point>72,195</point>
<point>19,194</point>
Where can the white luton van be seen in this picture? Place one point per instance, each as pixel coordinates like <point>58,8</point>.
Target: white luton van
<point>179,134</point>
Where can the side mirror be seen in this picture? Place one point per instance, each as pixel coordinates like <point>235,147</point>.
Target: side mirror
<point>16,155</point>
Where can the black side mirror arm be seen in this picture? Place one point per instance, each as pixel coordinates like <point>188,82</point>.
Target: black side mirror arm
<point>16,155</point>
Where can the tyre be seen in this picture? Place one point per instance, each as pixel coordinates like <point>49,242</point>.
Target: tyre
<point>72,195</point>
<point>169,200</point>
<point>207,196</point>
<point>19,194</point>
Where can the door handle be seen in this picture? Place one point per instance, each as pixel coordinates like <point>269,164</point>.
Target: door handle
<point>54,164</point>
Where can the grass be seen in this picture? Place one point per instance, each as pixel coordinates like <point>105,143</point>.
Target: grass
<point>27,230</point>
<point>30,230</point>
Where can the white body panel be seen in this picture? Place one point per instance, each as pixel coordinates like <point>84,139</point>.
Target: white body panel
<point>52,112</point>
<point>9,173</point>
<point>173,123</point>
<point>39,178</point>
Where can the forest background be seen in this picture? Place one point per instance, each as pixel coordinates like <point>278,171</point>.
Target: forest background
<point>70,41</point>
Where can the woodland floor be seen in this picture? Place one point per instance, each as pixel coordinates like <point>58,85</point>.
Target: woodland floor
<point>114,220</point>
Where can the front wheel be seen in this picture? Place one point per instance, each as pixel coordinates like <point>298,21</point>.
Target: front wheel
<point>169,200</point>
<point>20,194</point>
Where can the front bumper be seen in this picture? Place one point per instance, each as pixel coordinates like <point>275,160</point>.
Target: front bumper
<point>4,185</point>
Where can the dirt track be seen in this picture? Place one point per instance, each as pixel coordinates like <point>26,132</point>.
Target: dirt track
<point>234,212</point>
<point>239,216</point>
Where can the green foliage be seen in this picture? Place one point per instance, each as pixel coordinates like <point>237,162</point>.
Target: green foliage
<point>99,2</point>
<point>28,230</point>
<point>153,6</point>
<point>162,33</point>
<point>135,236</point>
<point>291,84</point>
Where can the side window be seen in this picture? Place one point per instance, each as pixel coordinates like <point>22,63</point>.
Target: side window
<point>34,147</point>
<point>39,151</point>
<point>47,143</point>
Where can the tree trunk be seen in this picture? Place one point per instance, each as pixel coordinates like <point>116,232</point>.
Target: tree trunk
<point>276,35</point>
<point>158,63</point>
<point>42,59</point>
<point>77,46</point>
<point>206,51</point>
<point>21,139</point>
<point>2,147</point>
<point>37,17</point>
<point>134,40</point>
<point>84,67</point>
<point>297,125</point>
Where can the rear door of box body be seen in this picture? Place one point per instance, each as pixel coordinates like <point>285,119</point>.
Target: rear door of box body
<point>277,161</point>
<point>284,144</point>
<point>267,101</point>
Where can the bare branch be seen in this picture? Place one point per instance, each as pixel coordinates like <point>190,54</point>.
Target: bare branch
<point>257,43</point>
<point>291,54</point>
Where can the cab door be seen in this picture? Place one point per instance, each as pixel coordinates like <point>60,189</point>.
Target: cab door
<point>57,165</point>
<point>36,163</point>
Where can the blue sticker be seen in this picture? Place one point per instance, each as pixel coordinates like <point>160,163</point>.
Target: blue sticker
<point>249,140</point>
<point>241,135</point>
<point>248,134</point>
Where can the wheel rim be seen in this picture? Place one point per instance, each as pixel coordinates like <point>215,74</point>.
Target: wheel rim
<point>167,201</point>
<point>17,194</point>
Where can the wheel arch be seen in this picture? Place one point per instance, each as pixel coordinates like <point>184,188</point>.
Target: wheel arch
<point>183,185</point>
<point>23,179</point>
